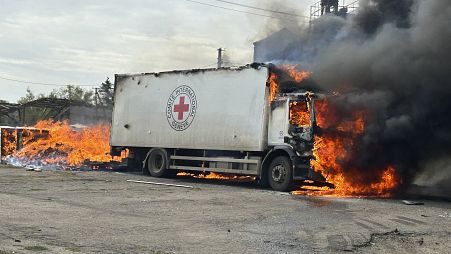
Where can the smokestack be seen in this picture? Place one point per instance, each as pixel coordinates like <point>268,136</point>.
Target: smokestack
<point>220,50</point>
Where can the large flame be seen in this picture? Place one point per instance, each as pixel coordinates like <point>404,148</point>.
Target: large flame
<point>333,152</point>
<point>334,148</point>
<point>296,75</point>
<point>299,113</point>
<point>65,146</point>
<point>273,86</point>
<point>8,141</point>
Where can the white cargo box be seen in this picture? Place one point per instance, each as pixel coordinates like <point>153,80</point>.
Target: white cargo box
<point>218,109</point>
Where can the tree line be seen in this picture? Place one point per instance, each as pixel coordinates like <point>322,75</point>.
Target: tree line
<point>101,96</point>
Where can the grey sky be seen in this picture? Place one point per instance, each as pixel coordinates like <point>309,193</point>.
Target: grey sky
<point>84,41</point>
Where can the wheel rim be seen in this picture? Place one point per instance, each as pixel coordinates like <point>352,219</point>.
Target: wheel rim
<point>278,173</point>
<point>157,163</point>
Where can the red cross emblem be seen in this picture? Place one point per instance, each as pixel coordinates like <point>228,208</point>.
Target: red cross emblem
<point>181,108</point>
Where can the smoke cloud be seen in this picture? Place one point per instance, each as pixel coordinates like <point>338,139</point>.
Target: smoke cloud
<point>392,58</point>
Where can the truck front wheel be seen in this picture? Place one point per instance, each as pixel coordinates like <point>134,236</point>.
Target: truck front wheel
<point>280,174</point>
<point>157,163</point>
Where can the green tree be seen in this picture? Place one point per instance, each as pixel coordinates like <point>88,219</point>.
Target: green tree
<point>105,93</point>
<point>33,114</point>
<point>74,93</point>
<point>30,96</point>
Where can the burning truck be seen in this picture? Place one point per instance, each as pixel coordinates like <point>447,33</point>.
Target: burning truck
<point>258,121</point>
<point>227,120</point>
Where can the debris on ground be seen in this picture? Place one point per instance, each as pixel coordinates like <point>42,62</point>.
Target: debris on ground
<point>409,202</point>
<point>445,215</point>
<point>165,184</point>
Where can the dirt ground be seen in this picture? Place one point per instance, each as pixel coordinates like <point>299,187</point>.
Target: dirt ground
<point>100,212</point>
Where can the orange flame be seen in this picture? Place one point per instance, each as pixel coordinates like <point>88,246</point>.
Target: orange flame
<point>297,75</point>
<point>65,146</point>
<point>291,70</point>
<point>273,87</point>
<point>334,147</point>
<point>213,175</point>
<point>299,113</point>
<point>8,141</point>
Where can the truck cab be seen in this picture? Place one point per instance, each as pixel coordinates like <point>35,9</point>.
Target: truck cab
<point>291,129</point>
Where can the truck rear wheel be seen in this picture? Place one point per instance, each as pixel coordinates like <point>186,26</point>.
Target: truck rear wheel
<point>157,163</point>
<point>280,174</point>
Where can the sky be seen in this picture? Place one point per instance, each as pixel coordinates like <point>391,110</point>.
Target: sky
<point>82,42</point>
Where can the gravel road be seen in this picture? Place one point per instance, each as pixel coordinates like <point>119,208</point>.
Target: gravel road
<point>100,212</point>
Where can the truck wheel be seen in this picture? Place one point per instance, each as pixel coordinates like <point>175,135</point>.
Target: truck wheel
<point>157,163</point>
<point>280,174</point>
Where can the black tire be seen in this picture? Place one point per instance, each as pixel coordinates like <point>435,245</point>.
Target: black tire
<point>280,174</point>
<point>157,163</point>
<point>263,180</point>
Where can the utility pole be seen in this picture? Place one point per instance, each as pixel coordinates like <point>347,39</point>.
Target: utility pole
<point>69,90</point>
<point>220,50</point>
<point>95,95</point>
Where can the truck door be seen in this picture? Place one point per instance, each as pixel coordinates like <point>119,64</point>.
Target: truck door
<point>278,122</point>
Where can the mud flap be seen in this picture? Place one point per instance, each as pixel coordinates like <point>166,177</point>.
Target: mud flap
<point>303,172</point>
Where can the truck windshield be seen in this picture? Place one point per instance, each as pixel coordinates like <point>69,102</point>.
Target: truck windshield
<point>299,113</point>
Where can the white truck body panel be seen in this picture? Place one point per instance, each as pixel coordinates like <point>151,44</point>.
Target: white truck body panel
<point>221,109</point>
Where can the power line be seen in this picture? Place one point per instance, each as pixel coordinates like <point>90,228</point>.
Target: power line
<point>262,9</point>
<point>38,83</point>
<point>235,10</point>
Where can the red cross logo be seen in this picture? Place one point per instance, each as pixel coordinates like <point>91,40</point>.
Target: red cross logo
<point>181,108</point>
<point>182,100</point>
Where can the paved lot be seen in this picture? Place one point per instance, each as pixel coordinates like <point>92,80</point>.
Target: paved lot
<point>99,212</point>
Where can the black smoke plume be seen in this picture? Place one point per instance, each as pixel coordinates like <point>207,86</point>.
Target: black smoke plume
<point>392,58</point>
